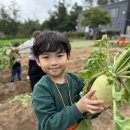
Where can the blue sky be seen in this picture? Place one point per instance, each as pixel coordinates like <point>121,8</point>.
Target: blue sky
<point>36,9</point>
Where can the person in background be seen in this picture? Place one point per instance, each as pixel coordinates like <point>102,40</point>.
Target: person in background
<point>55,97</point>
<point>31,57</point>
<point>15,63</point>
<point>29,43</point>
<point>122,41</point>
<point>34,71</point>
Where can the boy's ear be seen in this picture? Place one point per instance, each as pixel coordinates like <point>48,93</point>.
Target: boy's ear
<point>38,62</point>
<point>68,56</point>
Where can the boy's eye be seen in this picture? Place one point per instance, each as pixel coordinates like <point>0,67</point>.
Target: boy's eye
<point>60,55</point>
<point>44,57</point>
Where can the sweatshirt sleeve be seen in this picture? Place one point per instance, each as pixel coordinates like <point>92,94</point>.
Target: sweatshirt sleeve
<point>26,44</point>
<point>48,116</point>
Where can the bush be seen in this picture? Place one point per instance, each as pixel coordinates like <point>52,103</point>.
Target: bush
<point>2,36</point>
<point>74,35</point>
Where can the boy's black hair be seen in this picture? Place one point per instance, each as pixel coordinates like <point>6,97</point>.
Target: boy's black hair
<point>15,44</point>
<point>51,41</point>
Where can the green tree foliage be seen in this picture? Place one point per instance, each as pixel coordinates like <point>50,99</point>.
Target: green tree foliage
<point>61,15</point>
<point>62,20</point>
<point>11,27</point>
<point>73,16</point>
<point>8,20</point>
<point>26,28</point>
<point>105,2</point>
<point>57,19</point>
<point>95,17</point>
<point>100,2</point>
<point>90,2</point>
<point>48,24</point>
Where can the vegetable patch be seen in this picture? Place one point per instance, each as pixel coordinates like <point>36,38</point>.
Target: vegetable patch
<point>111,80</point>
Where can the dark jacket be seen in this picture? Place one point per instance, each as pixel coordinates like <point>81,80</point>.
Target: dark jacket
<point>35,75</point>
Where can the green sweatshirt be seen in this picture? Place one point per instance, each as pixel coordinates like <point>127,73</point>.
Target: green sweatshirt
<point>48,105</point>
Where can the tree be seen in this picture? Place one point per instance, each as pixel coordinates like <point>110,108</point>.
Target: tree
<point>8,20</point>
<point>95,17</point>
<point>100,2</point>
<point>73,16</point>
<point>105,2</point>
<point>11,26</point>
<point>57,19</point>
<point>29,26</point>
<point>61,15</point>
<point>62,20</point>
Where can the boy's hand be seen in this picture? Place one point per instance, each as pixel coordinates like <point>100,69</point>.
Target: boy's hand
<point>87,105</point>
<point>12,48</point>
<point>18,60</point>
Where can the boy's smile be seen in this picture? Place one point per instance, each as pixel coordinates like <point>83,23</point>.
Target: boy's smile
<point>54,69</point>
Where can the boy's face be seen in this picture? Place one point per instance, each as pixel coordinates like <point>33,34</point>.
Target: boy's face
<point>53,63</point>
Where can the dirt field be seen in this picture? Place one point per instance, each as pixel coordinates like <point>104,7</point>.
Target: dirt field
<point>16,117</point>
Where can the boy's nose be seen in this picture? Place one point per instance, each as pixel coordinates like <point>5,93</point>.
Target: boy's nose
<point>53,61</point>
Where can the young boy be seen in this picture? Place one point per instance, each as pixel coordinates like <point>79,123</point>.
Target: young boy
<point>15,63</point>
<point>55,96</point>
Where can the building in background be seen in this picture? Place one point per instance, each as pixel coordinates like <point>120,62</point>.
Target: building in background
<point>120,12</point>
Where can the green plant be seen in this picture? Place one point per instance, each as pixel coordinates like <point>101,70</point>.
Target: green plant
<point>23,98</point>
<point>3,58</point>
<point>100,72</point>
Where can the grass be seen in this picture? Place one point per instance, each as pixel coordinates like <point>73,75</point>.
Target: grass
<point>79,43</point>
<point>12,40</point>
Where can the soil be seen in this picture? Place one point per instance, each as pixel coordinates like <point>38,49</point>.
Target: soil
<point>16,117</point>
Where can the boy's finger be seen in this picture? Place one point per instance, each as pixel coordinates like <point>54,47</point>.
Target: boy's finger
<point>96,108</point>
<point>90,93</point>
<point>97,102</point>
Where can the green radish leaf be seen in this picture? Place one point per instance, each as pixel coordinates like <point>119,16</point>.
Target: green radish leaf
<point>109,86</point>
<point>122,123</point>
<point>85,125</point>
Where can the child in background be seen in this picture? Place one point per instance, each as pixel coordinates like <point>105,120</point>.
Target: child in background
<point>55,97</point>
<point>34,71</point>
<point>15,63</point>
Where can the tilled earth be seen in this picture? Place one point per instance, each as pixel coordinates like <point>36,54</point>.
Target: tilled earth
<point>16,117</point>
